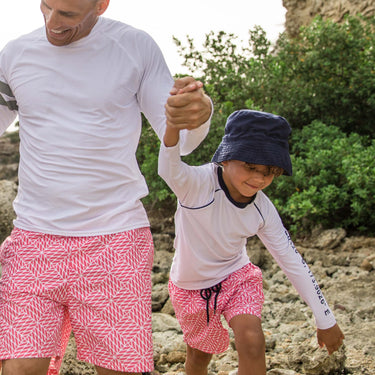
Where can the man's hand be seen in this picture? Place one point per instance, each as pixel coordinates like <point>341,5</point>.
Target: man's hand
<point>188,107</point>
<point>332,338</point>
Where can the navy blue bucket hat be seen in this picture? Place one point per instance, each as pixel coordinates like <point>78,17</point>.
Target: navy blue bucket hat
<point>257,138</point>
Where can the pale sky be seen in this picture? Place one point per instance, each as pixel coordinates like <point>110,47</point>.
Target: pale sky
<point>162,19</point>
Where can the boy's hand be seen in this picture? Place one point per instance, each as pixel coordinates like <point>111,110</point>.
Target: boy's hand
<point>184,85</point>
<point>332,338</point>
<point>188,107</point>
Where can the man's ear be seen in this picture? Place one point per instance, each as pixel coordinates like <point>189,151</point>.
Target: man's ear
<point>101,6</point>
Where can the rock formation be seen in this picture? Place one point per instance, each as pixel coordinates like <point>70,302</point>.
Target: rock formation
<point>301,12</point>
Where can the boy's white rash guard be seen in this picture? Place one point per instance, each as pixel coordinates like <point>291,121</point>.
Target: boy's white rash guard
<point>79,110</point>
<point>212,230</point>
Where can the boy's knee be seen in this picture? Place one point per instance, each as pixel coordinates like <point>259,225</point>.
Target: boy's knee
<point>197,358</point>
<point>250,343</point>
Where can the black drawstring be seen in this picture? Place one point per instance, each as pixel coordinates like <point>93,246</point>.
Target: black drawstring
<point>206,295</point>
<point>216,289</point>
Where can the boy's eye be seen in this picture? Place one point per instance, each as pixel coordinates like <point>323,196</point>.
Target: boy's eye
<point>253,168</point>
<point>250,167</point>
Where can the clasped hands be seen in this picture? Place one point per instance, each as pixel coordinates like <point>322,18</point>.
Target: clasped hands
<point>188,107</point>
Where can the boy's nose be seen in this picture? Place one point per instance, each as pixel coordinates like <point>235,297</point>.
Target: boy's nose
<point>258,179</point>
<point>259,176</point>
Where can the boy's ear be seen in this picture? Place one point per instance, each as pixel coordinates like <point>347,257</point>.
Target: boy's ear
<point>224,163</point>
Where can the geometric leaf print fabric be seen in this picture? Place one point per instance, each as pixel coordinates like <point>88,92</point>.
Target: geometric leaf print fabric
<point>240,293</point>
<point>98,286</point>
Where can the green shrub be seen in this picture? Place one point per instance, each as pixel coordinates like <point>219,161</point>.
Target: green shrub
<point>326,73</point>
<point>324,76</point>
<point>147,157</point>
<point>333,184</point>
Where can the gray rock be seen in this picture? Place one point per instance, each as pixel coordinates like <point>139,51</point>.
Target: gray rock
<point>8,191</point>
<point>281,372</point>
<point>164,322</point>
<point>159,296</point>
<point>331,238</point>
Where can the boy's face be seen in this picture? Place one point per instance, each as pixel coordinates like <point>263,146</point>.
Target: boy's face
<point>243,180</point>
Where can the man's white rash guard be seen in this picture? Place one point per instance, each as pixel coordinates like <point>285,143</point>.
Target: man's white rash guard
<point>212,231</point>
<point>79,110</point>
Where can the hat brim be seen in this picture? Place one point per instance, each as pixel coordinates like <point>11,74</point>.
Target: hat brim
<point>256,153</point>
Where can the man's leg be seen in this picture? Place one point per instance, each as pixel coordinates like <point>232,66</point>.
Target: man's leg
<point>34,326</point>
<point>110,301</point>
<point>25,366</point>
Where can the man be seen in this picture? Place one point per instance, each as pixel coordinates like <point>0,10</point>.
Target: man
<point>81,251</point>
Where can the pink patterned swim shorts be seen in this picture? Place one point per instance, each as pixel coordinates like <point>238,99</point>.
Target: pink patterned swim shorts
<point>199,311</point>
<point>98,286</point>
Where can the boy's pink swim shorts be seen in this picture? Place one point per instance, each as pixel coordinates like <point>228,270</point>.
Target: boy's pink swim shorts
<point>240,293</point>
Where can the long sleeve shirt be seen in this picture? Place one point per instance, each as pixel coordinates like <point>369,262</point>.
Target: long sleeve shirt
<point>79,109</point>
<point>212,230</point>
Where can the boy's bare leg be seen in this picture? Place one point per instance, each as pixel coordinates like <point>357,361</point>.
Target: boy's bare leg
<point>250,344</point>
<point>196,361</point>
<point>105,371</point>
<point>25,366</point>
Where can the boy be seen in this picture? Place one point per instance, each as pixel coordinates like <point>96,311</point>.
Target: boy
<point>220,205</point>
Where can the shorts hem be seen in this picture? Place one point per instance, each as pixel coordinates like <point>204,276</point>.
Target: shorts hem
<point>125,368</point>
<point>207,350</point>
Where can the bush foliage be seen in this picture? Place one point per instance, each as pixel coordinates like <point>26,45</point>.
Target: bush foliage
<point>327,73</point>
<point>333,181</point>
<point>323,82</point>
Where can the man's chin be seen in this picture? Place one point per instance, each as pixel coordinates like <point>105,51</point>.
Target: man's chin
<point>58,42</point>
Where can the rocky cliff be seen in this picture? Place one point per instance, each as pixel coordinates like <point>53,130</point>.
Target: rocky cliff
<point>301,12</point>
